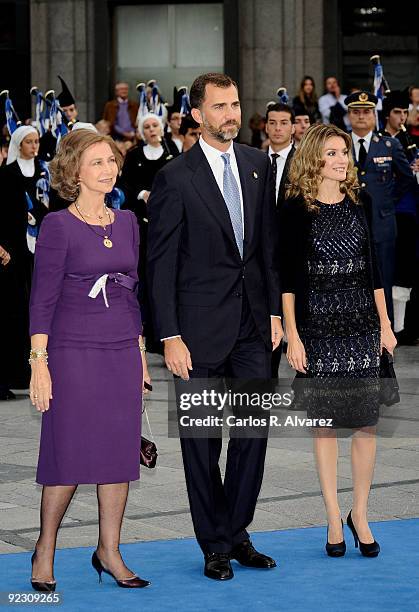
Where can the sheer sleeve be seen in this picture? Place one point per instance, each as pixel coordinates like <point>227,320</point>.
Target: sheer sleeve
<point>50,262</point>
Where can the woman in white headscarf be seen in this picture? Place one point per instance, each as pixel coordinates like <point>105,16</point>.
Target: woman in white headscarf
<point>136,181</point>
<point>23,207</point>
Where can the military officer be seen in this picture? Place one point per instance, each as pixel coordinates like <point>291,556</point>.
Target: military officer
<point>384,173</point>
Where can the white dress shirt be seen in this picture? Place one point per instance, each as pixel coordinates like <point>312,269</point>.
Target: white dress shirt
<point>356,139</point>
<point>216,163</point>
<point>280,164</point>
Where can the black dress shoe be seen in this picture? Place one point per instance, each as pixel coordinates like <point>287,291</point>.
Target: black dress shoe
<point>247,555</point>
<point>132,582</point>
<point>42,585</point>
<point>218,566</point>
<point>338,549</point>
<point>367,549</point>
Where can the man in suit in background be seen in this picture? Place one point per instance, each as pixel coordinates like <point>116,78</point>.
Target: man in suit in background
<point>214,284</point>
<point>384,173</point>
<point>280,128</point>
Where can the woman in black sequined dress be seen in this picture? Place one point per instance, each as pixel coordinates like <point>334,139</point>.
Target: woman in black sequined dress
<point>335,316</point>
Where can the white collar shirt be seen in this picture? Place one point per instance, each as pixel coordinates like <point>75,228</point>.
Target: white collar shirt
<point>216,163</point>
<point>280,164</point>
<point>356,139</point>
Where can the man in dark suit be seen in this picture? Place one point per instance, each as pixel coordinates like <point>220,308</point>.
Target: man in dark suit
<point>213,278</point>
<point>384,173</point>
<point>280,128</point>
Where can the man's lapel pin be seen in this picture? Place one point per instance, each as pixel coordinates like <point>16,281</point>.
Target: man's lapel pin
<point>255,174</point>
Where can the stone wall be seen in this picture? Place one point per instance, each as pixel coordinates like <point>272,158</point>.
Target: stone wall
<point>280,41</point>
<point>62,34</point>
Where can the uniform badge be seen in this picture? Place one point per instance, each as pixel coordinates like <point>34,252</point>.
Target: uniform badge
<point>363,97</point>
<point>255,174</point>
<point>388,144</point>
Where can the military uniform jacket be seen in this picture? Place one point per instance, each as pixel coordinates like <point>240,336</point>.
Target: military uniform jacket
<point>386,177</point>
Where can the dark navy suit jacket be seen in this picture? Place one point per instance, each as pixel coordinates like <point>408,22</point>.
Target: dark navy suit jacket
<point>386,177</point>
<point>197,278</point>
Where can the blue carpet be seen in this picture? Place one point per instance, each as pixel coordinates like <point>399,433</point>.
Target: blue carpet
<point>305,579</point>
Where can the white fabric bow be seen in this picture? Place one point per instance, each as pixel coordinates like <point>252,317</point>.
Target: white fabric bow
<point>100,285</point>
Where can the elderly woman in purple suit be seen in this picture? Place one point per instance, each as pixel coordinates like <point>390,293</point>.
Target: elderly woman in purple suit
<point>88,358</point>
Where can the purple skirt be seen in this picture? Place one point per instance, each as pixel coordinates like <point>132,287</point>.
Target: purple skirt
<point>91,433</point>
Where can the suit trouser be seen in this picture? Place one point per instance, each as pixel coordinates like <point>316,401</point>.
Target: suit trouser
<point>386,254</point>
<point>221,511</point>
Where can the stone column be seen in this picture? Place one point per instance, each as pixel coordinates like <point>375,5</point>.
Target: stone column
<point>62,36</point>
<point>280,41</point>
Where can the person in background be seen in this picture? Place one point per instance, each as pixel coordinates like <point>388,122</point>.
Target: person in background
<point>22,214</point>
<point>384,173</point>
<point>67,102</point>
<point>332,105</point>
<point>406,275</point>
<point>190,130</point>
<point>103,127</point>
<point>141,165</point>
<point>121,113</point>
<point>174,119</point>
<point>413,118</point>
<point>257,127</point>
<point>4,149</point>
<point>306,101</point>
<point>279,126</point>
<point>301,124</point>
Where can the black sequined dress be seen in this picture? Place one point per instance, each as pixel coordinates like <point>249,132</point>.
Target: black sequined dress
<point>341,330</point>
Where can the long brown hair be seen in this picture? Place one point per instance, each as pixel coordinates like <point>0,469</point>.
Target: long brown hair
<point>304,98</point>
<point>305,170</point>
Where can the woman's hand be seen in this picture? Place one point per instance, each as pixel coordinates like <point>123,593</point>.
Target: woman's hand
<point>296,354</point>
<point>40,387</point>
<point>388,339</point>
<point>146,195</point>
<point>146,375</point>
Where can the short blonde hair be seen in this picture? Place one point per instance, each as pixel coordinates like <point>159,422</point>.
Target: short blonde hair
<point>65,166</point>
<point>305,170</point>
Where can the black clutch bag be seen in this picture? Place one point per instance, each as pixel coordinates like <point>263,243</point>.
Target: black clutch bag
<point>389,387</point>
<point>148,448</point>
<point>148,453</point>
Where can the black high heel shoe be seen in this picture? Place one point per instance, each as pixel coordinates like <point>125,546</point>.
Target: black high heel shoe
<point>44,587</point>
<point>367,550</point>
<point>335,550</point>
<point>129,583</point>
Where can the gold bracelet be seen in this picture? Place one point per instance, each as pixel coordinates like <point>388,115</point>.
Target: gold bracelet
<point>142,348</point>
<point>36,354</point>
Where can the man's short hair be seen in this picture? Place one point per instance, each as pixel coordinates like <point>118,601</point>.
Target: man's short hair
<point>280,107</point>
<point>197,93</point>
<point>188,123</point>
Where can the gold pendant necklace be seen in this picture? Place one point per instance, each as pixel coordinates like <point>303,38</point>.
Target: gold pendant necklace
<point>106,240</point>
